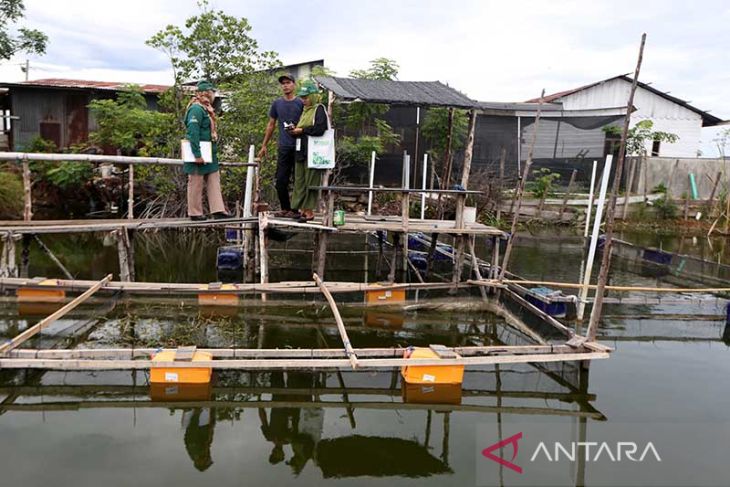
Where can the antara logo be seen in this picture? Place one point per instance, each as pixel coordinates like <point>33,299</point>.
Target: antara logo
<point>594,451</point>
<point>590,451</point>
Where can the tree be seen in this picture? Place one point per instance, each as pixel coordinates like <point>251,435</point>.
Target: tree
<point>435,130</point>
<point>380,68</point>
<point>372,133</point>
<point>127,124</point>
<point>212,46</point>
<point>25,40</point>
<point>639,135</point>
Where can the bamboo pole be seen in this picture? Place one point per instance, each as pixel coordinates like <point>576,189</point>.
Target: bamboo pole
<point>567,195</point>
<point>53,257</point>
<point>130,196</point>
<point>446,178</point>
<point>94,158</point>
<point>712,193</point>
<point>629,187</point>
<point>338,319</point>
<point>263,251</point>
<point>590,200</point>
<point>33,330</point>
<point>611,211</point>
<point>475,266</point>
<point>521,190</point>
<point>27,195</point>
<point>502,157</point>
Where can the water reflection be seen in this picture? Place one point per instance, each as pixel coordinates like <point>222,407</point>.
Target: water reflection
<point>311,418</point>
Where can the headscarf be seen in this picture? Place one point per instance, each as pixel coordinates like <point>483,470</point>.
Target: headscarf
<point>307,118</point>
<point>199,98</point>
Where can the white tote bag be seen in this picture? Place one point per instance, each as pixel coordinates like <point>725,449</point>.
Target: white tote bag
<point>321,150</point>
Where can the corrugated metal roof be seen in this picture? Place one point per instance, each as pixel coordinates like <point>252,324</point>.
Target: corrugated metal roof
<point>423,93</point>
<point>527,106</point>
<point>708,120</point>
<point>86,84</point>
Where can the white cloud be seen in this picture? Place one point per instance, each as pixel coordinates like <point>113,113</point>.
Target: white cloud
<point>491,50</point>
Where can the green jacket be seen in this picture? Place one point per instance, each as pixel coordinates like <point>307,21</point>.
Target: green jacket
<point>197,122</point>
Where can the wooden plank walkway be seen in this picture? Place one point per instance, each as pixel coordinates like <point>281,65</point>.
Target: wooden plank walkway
<point>355,223</point>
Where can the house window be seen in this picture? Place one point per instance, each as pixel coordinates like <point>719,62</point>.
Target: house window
<point>655,147</point>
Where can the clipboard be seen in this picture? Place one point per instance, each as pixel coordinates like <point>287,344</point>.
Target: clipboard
<point>206,150</point>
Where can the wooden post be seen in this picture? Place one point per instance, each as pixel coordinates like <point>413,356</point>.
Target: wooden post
<point>461,200</point>
<point>263,251</point>
<point>8,267</point>
<point>502,158</point>
<point>494,270</point>
<point>521,190</point>
<point>320,244</point>
<point>394,261</point>
<point>338,319</point>
<point>469,151</point>
<point>130,197</point>
<point>33,330</point>
<point>126,265</point>
<point>567,195</point>
<point>475,265</point>
<point>629,187</point>
<point>446,177</point>
<point>711,200</point>
<point>27,196</point>
<point>611,210</point>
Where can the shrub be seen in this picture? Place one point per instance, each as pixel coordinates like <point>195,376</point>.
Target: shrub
<point>11,195</point>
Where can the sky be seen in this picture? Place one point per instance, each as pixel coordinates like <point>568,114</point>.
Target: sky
<point>490,50</point>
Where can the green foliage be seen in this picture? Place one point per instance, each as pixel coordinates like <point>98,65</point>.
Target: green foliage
<point>39,144</point>
<point>659,188</point>
<point>127,124</point>
<point>212,46</point>
<point>380,68</point>
<point>69,174</point>
<point>25,40</point>
<point>435,130</point>
<point>665,208</point>
<point>639,135</point>
<point>365,119</point>
<point>11,195</point>
<point>543,182</point>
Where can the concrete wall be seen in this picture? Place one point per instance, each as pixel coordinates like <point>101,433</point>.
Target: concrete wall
<point>659,169</point>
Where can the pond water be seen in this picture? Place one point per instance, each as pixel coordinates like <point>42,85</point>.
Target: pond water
<point>665,384</point>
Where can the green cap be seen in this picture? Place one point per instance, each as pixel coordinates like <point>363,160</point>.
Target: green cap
<point>205,85</point>
<point>307,88</point>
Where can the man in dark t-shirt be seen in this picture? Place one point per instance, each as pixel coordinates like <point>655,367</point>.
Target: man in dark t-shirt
<point>284,111</point>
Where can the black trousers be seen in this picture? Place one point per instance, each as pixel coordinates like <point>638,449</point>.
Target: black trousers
<point>284,172</point>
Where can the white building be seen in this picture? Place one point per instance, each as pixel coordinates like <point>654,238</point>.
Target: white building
<point>668,113</point>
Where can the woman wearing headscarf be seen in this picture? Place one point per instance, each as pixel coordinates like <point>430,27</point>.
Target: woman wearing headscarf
<point>200,121</point>
<point>312,122</point>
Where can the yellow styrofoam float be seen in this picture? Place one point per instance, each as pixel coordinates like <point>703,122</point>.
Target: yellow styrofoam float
<point>430,374</point>
<point>218,298</point>
<point>388,321</point>
<point>431,393</point>
<point>388,296</point>
<point>39,295</point>
<point>180,375</point>
<point>180,392</point>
